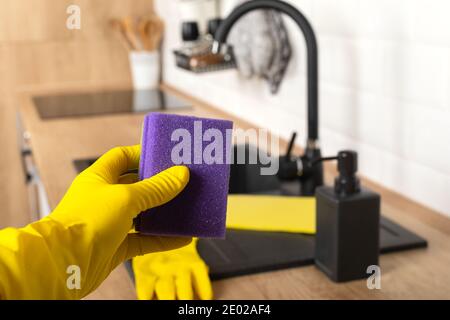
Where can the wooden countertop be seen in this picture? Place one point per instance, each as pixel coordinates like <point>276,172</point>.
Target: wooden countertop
<point>415,274</point>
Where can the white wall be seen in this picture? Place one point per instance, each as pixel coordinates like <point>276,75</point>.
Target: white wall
<point>384,88</point>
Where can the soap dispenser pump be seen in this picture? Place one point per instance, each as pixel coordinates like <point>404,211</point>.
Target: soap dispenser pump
<point>348,224</point>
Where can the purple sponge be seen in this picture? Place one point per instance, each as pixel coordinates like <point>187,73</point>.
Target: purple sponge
<point>200,209</point>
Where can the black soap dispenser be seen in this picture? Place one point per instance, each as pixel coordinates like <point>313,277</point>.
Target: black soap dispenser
<point>348,224</point>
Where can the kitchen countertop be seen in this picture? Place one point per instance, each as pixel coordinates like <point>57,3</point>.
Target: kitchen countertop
<point>415,274</point>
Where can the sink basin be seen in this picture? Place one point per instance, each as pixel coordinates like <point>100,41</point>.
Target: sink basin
<point>247,178</point>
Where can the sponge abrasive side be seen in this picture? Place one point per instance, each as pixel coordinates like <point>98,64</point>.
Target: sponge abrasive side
<point>204,146</point>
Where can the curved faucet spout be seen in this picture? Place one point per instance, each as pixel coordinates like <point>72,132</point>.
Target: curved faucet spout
<point>311,46</point>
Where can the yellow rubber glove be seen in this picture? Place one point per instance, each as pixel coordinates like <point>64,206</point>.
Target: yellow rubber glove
<point>177,274</point>
<point>89,229</point>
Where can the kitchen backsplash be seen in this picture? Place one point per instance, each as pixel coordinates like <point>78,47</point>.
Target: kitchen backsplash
<point>384,88</point>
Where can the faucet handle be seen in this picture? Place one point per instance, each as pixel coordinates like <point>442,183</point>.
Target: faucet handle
<point>289,166</point>
<point>291,145</point>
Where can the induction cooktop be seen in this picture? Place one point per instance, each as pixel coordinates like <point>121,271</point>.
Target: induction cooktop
<point>106,102</point>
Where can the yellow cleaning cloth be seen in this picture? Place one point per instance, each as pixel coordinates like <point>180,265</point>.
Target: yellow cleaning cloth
<point>272,213</point>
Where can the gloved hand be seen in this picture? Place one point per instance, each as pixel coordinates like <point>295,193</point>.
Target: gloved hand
<point>89,229</point>
<point>171,275</point>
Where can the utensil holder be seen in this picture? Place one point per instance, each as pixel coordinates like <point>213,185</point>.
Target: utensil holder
<point>145,69</point>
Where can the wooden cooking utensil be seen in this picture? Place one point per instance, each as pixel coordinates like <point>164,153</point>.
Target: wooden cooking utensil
<point>151,28</point>
<point>128,26</point>
<point>117,26</point>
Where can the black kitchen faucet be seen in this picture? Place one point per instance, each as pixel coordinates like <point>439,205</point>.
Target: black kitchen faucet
<point>305,168</point>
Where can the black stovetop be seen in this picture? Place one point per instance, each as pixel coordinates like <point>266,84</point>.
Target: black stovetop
<point>85,104</point>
